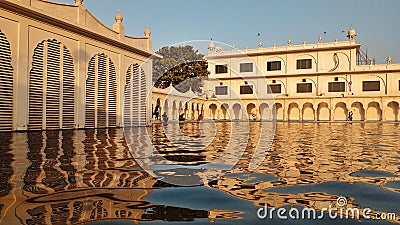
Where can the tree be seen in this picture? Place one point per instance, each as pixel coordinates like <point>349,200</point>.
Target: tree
<point>182,66</point>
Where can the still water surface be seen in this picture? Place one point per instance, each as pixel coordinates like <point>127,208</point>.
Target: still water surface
<point>91,176</point>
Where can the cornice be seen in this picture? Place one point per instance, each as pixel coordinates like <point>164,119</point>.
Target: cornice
<point>73,28</point>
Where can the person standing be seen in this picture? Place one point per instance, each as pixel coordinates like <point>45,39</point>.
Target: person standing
<point>350,117</point>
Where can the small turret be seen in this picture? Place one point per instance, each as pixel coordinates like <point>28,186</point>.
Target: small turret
<point>351,34</point>
<point>147,31</point>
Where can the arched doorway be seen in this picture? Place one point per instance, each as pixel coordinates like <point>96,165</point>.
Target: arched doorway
<point>213,109</point>
<point>358,111</point>
<point>294,112</point>
<point>277,112</point>
<point>308,112</point>
<point>392,111</point>
<point>236,111</point>
<point>251,111</point>
<point>323,112</point>
<point>265,112</point>
<point>341,111</point>
<point>224,109</point>
<point>374,112</point>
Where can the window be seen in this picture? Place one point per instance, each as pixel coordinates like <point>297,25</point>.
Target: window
<point>274,89</point>
<point>246,67</point>
<point>221,90</point>
<point>399,85</point>
<point>246,89</point>
<point>371,85</point>
<point>336,86</point>
<point>304,88</point>
<point>273,65</point>
<point>221,69</point>
<point>304,64</point>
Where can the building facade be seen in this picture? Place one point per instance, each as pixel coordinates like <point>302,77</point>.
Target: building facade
<point>308,82</point>
<point>63,69</point>
<point>175,103</point>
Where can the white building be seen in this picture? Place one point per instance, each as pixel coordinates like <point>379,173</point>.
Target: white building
<point>314,82</point>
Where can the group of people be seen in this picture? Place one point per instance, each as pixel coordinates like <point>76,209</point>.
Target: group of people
<point>164,116</point>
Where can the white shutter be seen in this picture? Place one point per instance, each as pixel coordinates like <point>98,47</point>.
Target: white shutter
<point>143,96</point>
<point>112,99</point>
<point>6,85</point>
<point>53,85</point>
<point>135,95</point>
<point>90,95</point>
<point>101,93</point>
<point>128,98</point>
<point>68,91</point>
<point>36,89</point>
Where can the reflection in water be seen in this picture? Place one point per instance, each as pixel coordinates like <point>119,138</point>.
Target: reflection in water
<point>82,176</point>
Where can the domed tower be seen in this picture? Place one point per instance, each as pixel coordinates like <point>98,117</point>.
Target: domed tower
<point>351,34</point>
<point>147,31</point>
<point>211,46</point>
<point>118,25</point>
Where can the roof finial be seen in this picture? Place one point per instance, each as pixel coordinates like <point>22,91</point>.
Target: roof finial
<point>78,2</point>
<point>351,34</point>
<point>118,17</point>
<point>147,31</point>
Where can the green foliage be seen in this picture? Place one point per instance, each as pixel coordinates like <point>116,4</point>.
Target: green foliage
<point>182,66</point>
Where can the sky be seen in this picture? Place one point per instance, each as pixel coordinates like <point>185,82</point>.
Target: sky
<point>377,22</point>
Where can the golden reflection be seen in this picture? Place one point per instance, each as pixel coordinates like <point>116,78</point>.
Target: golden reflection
<point>80,176</point>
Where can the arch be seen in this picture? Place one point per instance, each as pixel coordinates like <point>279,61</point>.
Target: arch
<point>180,109</point>
<point>213,108</point>
<point>308,112</point>
<point>358,111</point>
<point>186,110</point>
<point>374,112</point>
<point>166,107</point>
<point>51,82</point>
<point>6,85</point>
<point>278,112</point>
<point>294,112</point>
<point>174,115</point>
<point>265,112</point>
<point>192,114</point>
<point>224,109</point>
<point>341,111</point>
<point>236,110</point>
<point>101,93</point>
<point>392,111</point>
<point>323,112</point>
<point>251,111</point>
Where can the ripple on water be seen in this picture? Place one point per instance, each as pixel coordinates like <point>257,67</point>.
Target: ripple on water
<point>372,173</point>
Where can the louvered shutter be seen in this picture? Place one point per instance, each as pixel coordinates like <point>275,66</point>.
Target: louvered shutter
<point>128,98</point>
<point>135,95</point>
<point>6,85</point>
<point>101,93</point>
<point>143,96</point>
<point>51,87</point>
<point>112,99</point>
<point>36,89</point>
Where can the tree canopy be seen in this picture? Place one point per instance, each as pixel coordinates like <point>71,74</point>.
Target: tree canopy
<point>182,66</point>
